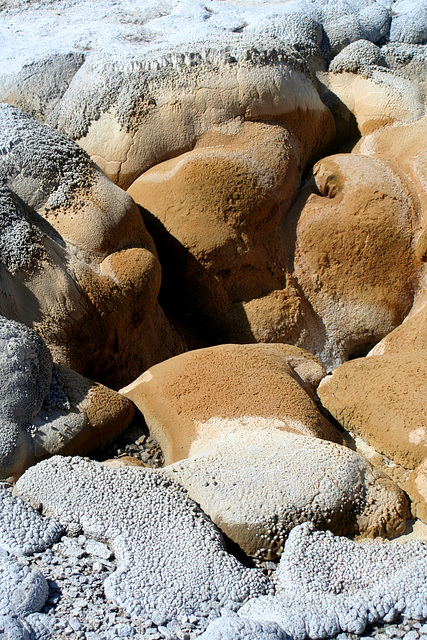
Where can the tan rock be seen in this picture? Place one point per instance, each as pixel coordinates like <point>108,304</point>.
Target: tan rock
<point>402,147</point>
<point>125,461</point>
<point>179,396</point>
<point>411,336</point>
<point>383,399</point>
<point>76,260</point>
<point>256,482</point>
<point>416,488</point>
<point>354,258</point>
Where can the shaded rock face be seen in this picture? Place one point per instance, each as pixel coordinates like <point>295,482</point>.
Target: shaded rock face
<point>77,262</point>
<point>47,409</point>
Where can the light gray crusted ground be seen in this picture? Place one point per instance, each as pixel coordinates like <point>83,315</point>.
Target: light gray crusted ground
<point>171,559</point>
<point>328,584</point>
<point>23,531</point>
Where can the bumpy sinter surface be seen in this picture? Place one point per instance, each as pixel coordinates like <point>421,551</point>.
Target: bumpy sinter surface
<point>257,482</point>
<point>231,627</point>
<point>22,530</point>
<point>171,559</point>
<point>22,590</point>
<point>327,584</point>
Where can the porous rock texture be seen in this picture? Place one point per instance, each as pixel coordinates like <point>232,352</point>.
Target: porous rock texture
<point>171,559</point>
<point>256,482</point>
<point>235,627</point>
<point>354,211</point>
<point>381,398</point>
<point>47,409</point>
<point>327,584</point>
<point>23,531</point>
<point>78,263</point>
<point>140,112</point>
<point>178,396</point>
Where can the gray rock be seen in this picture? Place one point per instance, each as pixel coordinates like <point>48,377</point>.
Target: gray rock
<point>39,165</point>
<point>328,584</point>
<point>345,22</point>
<point>240,628</point>
<point>22,530</point>
<point>38,87</point>
<point>98,549</point>
<point>409,24</point>
<point>26,373</point>
<point>171,559</point>
<point>358,57</point>
<point>22,590</point>
<point>12,629</point>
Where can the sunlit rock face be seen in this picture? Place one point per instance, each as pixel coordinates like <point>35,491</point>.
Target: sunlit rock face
<point>238,424</point>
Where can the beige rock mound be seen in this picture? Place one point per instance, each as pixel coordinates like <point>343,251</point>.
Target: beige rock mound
<point>383,400</point>
<point>355,257</point>
<point>240,430</point>
<point>76,260</point>
<point>256,482</point>
<point>216,214</point>
<point>376,97</point>
<point>138,113</point>
<point>179,396</point>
